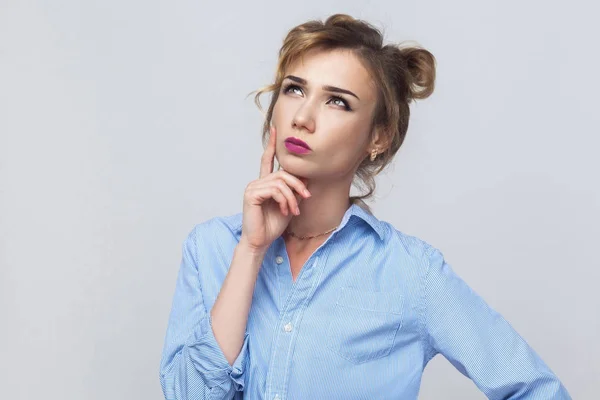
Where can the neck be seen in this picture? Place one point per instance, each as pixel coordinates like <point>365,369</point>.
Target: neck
<point>321,212</point>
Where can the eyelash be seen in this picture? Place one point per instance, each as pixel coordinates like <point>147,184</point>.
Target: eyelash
<point>289,86</point>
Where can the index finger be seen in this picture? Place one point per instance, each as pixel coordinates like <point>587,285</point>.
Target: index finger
<point>266,164</point>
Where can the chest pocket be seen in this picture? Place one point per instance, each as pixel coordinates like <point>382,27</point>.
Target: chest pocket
<point>364,324</point>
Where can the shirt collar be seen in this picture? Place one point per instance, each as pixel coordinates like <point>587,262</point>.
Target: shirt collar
<point>353,211</point>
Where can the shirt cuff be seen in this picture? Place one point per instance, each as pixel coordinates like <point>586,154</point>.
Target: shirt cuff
<point>209,359</point>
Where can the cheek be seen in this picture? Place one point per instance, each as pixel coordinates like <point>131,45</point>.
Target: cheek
<point>282,110</point>
<point>350,134</point>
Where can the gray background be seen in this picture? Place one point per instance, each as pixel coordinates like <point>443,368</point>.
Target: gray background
<point>124,123</point>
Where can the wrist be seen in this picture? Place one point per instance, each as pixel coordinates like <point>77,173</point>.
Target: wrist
<point>251,249</point>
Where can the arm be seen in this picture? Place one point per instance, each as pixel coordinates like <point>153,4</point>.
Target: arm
<point>479,342</point>
<point>193,365</point>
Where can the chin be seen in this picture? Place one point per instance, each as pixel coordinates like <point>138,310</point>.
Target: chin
<point>293,168</point>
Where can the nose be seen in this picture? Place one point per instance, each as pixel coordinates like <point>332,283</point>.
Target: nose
<point>304,118</point>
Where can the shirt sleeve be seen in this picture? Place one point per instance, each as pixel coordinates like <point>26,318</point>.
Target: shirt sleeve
<point>479,342</point>
<point>193,365</point>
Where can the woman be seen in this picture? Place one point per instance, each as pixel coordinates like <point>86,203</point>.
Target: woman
<point>306,294</point>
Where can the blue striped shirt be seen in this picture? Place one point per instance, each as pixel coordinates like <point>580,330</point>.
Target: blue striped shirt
<point>367,312</point>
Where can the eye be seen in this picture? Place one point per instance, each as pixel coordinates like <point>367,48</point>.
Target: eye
<point>288,88</point>
<point>342,102</point>
<point>338,101</point>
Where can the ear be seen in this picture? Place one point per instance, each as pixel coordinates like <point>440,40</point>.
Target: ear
<point>379,141</point>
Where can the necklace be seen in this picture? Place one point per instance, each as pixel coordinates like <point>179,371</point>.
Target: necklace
<point>309,237</point>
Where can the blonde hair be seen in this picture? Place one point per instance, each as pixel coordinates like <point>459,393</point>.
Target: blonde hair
<point>401,73</point>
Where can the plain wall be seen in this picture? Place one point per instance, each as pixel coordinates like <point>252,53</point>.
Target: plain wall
<point>125,123</point>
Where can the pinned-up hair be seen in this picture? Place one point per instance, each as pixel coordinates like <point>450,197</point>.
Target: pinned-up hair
<point>401,72</point>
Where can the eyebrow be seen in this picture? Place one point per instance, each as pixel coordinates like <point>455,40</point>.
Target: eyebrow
<point>325,87</point>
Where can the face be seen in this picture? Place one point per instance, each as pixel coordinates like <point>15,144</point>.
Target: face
<point>326,100</point>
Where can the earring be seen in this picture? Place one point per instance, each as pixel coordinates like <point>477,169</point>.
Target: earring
<point>373,154</point>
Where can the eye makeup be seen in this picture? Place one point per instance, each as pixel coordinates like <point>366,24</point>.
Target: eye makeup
<point>287,88</point>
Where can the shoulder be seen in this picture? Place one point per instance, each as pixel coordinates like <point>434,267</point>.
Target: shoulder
<point>409,243</point>
<point>407,246</point>
<point>214,234</point>
<point>209,247</point>
<point>216,226</point>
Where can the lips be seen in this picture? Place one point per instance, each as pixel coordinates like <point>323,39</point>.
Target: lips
<point>297,142</point>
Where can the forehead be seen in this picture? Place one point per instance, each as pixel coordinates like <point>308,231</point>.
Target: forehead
<point>339,67</point>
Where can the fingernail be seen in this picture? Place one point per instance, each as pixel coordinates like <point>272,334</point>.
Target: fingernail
<point>307,193</point>
<point>297,210</point>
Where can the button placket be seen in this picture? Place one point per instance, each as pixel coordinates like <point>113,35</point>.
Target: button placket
<point>279,365</point>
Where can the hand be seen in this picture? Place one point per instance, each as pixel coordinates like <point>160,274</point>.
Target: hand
<point>270,202</point>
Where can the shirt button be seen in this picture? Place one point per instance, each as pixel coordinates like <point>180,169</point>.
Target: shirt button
<point>288,327</point>
<point>276,397</point>
<point>279,259</point>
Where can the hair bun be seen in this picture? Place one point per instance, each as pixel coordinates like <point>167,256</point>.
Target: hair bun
<point>420,66</point>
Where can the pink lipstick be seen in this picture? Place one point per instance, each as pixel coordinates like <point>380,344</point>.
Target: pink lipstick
<point>296,145</point>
